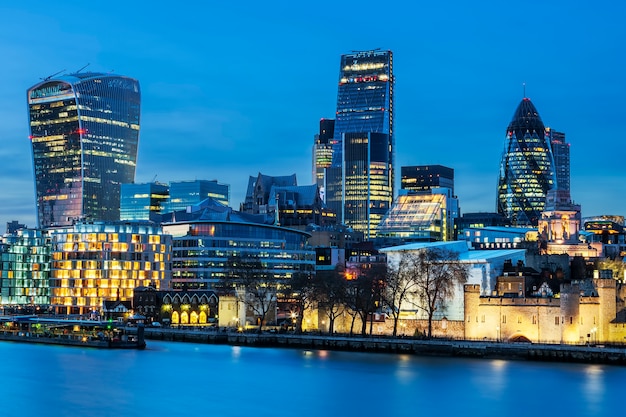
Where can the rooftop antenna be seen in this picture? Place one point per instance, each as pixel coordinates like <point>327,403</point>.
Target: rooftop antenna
<point>524,85</point>
<point>53,75</point>
<point>82,68</point>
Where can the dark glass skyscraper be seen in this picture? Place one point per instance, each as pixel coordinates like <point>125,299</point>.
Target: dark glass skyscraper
<point>423,178</point>
<point>359,184</point>
<point>527,168</point>
<point>84,131</point>
<point>323,154</point>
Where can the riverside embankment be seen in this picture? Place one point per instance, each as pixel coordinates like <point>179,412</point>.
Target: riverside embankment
<point>432,347</point>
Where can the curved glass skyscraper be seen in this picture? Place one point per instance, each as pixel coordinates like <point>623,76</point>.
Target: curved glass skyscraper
<point>527,168</point>
<point>84,131</point>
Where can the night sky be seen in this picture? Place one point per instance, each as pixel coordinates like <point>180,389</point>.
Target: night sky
<point>232,89</point>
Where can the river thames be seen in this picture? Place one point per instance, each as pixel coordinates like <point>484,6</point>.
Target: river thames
<point>178,379</point>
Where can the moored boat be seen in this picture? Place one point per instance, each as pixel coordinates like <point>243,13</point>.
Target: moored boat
<point>86,333</point>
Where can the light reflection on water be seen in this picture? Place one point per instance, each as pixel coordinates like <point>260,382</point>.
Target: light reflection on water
<point>186,379</point>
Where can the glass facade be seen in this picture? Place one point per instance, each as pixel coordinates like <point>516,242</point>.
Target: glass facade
<point>323,154</point>
<point>560,150</point>
<point>423,178</point>
<point>84,131</point>
<point>419,217</point>
<point>364,121</point>
<point>527,168</point>
<point>25,268</point>
<point>202,250</point>
<point>143,201</point>
<point>189,193</point>
<point>97,262</point>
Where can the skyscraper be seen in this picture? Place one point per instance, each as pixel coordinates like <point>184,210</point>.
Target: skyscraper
<point>323,154</point>
<point>84,131</point>
<point>527,168</point>
<point>359,184</point>
<point>560,151</point>
<point>423,178</point>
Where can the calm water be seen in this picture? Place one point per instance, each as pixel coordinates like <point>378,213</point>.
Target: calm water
<point>179,379</point>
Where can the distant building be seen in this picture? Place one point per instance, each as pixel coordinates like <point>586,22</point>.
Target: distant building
<point>561,153</point>
<point>323,154</point>
<point>188,193</point>
<point>143,201</point>
<point>527,170</point>
<point>423,178</point>
<point>84,132</point>
<point>14,226</point>
<point>479,219</point>
<point>360,182</point>
<point>291,205</point>
<point>498,237</point>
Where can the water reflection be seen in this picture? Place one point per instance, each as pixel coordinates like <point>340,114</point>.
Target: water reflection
<point>236,381</point>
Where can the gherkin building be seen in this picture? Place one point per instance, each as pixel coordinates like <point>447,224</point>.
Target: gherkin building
<point>527,169</point>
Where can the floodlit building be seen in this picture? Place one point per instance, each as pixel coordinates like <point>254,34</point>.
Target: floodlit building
<point>360,181</point>
<point>484,266</point>
<point>84,132</point>
<point>96,262</point>
<point>527,170</point>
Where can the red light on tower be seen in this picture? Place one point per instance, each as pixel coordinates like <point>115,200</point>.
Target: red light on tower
<point>81,131</point>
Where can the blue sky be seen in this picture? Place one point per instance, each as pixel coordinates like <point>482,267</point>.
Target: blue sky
<point>232,89</point>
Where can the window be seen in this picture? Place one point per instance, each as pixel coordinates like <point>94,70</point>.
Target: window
<point>503,319</point>
<point>556,320</point>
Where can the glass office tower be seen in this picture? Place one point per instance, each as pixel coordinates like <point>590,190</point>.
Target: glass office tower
<point>359,184</point>
<point>527,168</point>
<point>84,131</point>
<point>323,154</point>
<point>188,193</point>
<point>143,201</point>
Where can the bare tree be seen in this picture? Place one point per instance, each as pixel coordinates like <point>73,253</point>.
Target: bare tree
<point>304,293</point>
<point>401,286</point>
<point>438,272</point>
<point>330,292</point>
<point>363,295</point>
<point>253,285</point>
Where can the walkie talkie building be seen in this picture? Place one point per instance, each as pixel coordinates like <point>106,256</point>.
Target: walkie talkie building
<point>84,132</point>
<point>527,168</point>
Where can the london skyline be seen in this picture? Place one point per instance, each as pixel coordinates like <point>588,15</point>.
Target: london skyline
<point>222,84</point>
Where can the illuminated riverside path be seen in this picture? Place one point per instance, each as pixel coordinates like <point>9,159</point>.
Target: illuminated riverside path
<point>190,379</point>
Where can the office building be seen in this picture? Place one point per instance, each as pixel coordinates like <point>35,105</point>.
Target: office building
<point>526,169</point>
<point>423,178</point>
<point>188,193</point>
<point>323,154</point>
<point>359,183</point>
<point>97,262</point>
<point>84,131</point>
<point>207,235</point>
<point>560,151</point>
<point>25,269</point>
<point>143,201</point>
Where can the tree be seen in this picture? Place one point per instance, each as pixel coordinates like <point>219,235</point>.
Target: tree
<point>303,288</point>
<point>253,285</point>
<point>438,272</point>
<point>400,286</point>
<point>330,293</point>
<point>363,295</point>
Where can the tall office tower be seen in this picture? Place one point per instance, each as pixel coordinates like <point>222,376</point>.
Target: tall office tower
<point>84,131</point>
<point>143,201</point>
<point>423,178</point>
<point>527,168</point>
<point>560,151</point>
<point>188,193</point>
<point>359,184</point>
<point>323,154</point>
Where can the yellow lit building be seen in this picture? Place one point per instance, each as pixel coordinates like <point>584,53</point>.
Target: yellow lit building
<point>94,262</point>
<point>589,311</point>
